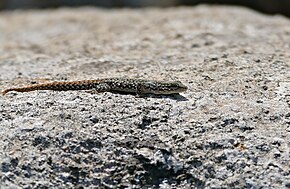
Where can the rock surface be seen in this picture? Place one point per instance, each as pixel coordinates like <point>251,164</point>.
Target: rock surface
<point>231,129</point>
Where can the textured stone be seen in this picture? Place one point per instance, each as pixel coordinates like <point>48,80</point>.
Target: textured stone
<point>229,130</point>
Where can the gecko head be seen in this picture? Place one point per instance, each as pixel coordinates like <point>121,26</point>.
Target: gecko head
<point>171,87</point>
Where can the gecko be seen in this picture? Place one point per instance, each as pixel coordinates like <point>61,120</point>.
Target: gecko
<point>117,85</point>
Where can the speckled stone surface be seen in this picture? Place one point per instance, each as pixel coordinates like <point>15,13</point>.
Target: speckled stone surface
<point>231,129</point>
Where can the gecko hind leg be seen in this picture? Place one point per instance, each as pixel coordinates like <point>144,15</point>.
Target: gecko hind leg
<point>100,88</point>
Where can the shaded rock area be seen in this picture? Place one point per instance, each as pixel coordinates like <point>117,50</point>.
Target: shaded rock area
<point>229,130</point>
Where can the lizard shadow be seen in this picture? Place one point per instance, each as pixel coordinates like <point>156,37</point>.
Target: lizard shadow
<point>176,97</point>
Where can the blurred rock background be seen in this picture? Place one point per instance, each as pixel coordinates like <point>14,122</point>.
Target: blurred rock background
<point>265,6</point>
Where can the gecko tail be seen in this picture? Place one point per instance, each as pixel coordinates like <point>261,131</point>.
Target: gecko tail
<point>30,88</point>
<point>6,91</point>
<point>20,89</point>
<point>56,86</point>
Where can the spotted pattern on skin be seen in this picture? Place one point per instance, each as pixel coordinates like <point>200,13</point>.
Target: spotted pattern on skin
<point>138,86</point>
